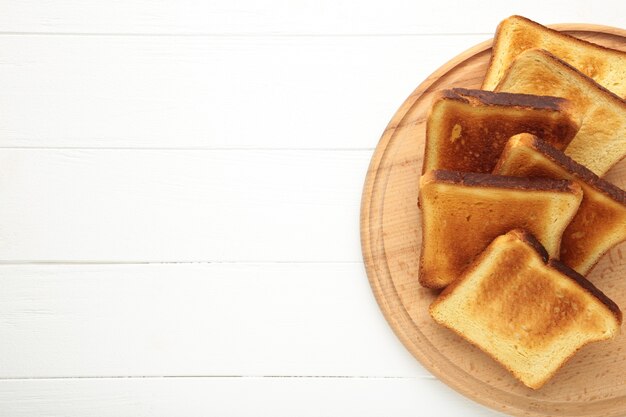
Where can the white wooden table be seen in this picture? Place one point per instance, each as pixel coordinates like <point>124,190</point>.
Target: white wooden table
<point>179,199</point>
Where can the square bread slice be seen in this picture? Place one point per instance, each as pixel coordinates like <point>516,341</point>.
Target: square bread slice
<point>529,313</point>
<point>600,222</point>
<point>516,34</point>
<point>466,130</point>
<point>599,144</point>
<point>463,212</point>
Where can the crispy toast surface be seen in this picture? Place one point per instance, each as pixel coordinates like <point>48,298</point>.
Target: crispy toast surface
<point>600,222</point>
<point>599,143</point>
<point>466,129</point>
<point>516,34</point>
<point>529,313</point>
<point>463,212</point>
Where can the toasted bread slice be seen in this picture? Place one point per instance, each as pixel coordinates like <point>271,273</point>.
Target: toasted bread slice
<point>600,142</point>
<point>463,212</point>
<point>600,222</point>
<point>529,313</point>
<point>467,129</point>
<point>517,34</point>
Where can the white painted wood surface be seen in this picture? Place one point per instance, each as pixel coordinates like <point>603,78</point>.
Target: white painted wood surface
<point>144,205</point>
<point>210,92</point>
<point>179,193</point>
<point>195,320</point>
<point>187,17</point>
<point>201,397</point>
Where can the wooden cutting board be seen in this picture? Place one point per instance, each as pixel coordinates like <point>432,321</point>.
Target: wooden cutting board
<point>592,383</point>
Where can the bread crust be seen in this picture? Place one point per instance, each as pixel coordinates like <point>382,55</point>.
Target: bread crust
<point>501,181</point>
<point>503,99</point>
<point>528,238</point>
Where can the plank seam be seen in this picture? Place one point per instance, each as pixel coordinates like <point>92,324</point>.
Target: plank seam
<point>242,35</point>
<point>165,148</point>
<point>429,377</point>
<point>243,262</point>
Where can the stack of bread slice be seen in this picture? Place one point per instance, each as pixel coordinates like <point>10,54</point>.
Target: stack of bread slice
<point>514,210</point>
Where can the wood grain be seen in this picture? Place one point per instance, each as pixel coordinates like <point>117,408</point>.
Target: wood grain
<point>593,383</point>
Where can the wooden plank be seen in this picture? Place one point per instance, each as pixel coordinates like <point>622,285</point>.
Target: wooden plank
<point>280,17</point>
<point>175,206</point>
<point>194,320</point>
<point>191,397</point>
<point>190,92</point>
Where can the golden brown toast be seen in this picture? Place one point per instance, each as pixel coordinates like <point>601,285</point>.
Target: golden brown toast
<point>599,144</point>
<point>517,34</point>
<point>463,212</point>
<point>600,222</point>
<point>466,130</point>
<point>529,313</point>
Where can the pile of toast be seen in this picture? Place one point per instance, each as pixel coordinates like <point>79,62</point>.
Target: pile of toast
<point>514,209</point>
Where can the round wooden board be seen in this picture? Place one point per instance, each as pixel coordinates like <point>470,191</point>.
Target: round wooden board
<point>592,383</point>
